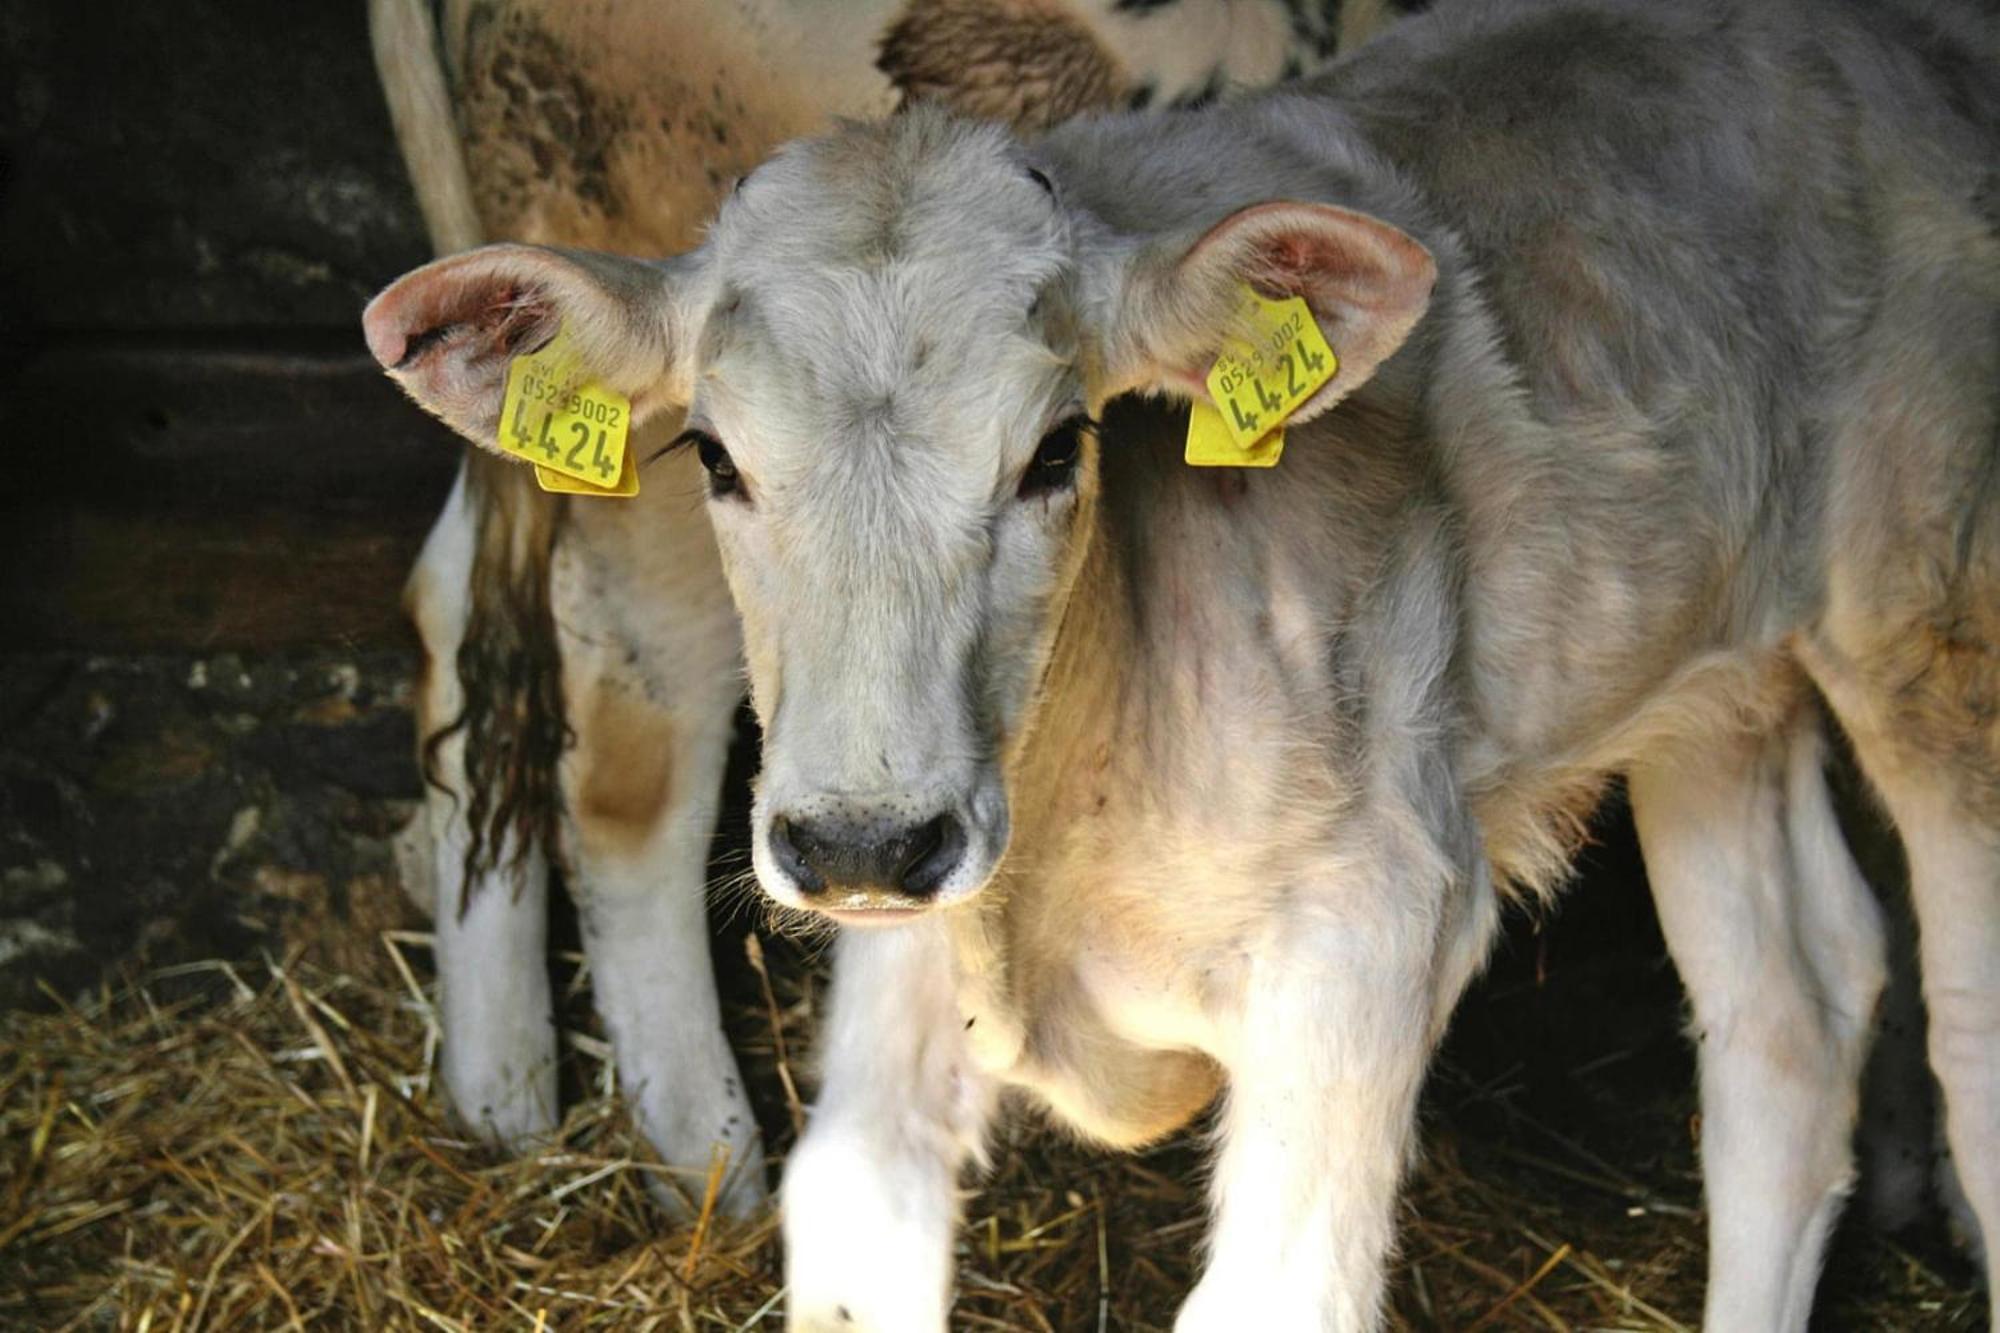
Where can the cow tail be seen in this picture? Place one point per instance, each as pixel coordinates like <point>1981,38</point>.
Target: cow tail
<point>404,34</point>
<point>509,664</point>
<point>510,668</point>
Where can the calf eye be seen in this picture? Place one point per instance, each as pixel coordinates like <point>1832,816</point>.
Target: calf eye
<point>1054,465</point>
<point>722,477</point>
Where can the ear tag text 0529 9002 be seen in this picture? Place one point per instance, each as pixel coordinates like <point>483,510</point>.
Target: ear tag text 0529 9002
<point>573,431</point>
<point>1257,382</point>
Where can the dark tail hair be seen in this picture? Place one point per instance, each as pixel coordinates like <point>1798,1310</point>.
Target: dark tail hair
<point>510,668</point>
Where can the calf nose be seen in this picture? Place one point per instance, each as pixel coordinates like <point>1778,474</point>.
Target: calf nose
<point>826,854</point>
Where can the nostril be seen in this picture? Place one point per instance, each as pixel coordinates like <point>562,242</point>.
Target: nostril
<point>935,851</point>
<point>785,851</point>
<point>868,857</point>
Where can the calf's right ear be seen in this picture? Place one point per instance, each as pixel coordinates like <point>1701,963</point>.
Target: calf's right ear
<point>447,331</point>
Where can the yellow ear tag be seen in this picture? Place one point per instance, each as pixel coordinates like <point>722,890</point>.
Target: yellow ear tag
<point>1274,360</point>
<point>555,482</point>
<point>1209,443</point>
<point>552,417</point>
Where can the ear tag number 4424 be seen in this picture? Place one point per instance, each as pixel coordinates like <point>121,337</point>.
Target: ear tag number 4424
<point>1258,381</point>
<point>573,431</point>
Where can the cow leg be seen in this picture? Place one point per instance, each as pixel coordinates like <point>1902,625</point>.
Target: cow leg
<point>1945,801</point>
<point>1955,882</point>
<point>499,1049</point>
<point>1340,1007</point>
<point>499,1041</point>
<point>651,677</point>
<point>1779,943</point>
<point>640,795</point>
<point>871,1191</point>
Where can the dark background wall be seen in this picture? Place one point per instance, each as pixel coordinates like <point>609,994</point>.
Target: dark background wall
<point>196,199</point>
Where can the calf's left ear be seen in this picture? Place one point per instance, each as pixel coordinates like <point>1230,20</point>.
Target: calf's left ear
<point>447,331</point>
<point>1172,306</point>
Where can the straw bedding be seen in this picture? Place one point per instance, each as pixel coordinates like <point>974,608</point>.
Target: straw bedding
<point>261,1143</point>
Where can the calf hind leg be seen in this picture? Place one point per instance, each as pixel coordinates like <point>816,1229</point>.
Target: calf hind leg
<point>1933,753</point>
<point>640,791</point>
<point>1955,880</point>
<point>651,678</point>
<point>1779,944</point>
<point>499,1051</point>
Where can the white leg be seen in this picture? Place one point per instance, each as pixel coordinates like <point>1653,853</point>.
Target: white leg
<point>1336,1023</point>
<point>1955,883</point>
<point>871,1196</point>
<point>651,678</point>
<point>641,792</point>
<point>1922,728</point>
<point>499,1052</point>
<point>1779,943</point>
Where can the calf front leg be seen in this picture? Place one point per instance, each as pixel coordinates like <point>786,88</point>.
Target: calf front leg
<point>870,1196</point>
<point>1337,1019</point>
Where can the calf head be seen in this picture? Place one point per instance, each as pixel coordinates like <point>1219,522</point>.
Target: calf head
<point>888,350</point>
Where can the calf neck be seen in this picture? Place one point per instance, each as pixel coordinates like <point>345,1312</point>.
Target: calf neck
<point>1667,338</point>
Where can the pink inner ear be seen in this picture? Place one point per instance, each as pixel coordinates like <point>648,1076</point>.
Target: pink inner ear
<point>1284,262</point>
<point>517,320</point>
<point>1368,284</point>
<point>1322,252</point>
<point>443,306</point>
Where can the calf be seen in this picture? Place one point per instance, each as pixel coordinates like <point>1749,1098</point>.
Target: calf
<point>1667,338</point>
<point>582,662</point>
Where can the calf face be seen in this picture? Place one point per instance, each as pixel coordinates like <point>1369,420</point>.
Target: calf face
<point>888,349</point>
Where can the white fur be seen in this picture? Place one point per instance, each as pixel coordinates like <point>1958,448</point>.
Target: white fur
<point>1778,941</point>
<point>871,1195</point>
<point>499,1051</point>
<point>638,858</point>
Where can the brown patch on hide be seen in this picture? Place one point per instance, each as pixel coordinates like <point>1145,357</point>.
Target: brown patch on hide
<point>511,670</point>
<point>533,122</point>
<point>1027,64</point>
<point>1532,845</point>
<point>625,762</point>
<point>1183,1086</point>
<point>618,127</point>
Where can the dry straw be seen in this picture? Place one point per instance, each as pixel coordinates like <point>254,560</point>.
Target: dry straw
<point>262,1145</point>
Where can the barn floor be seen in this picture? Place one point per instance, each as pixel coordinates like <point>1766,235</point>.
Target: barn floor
<point>217,1106</point>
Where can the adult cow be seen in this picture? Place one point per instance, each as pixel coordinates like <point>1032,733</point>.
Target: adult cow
<point>1667,339</point>
<point>582,663</point>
